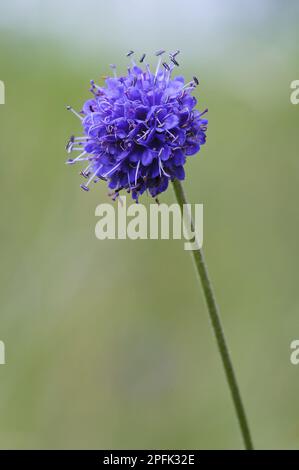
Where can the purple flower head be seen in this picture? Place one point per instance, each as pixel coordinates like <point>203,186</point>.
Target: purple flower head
<point>138,129</point>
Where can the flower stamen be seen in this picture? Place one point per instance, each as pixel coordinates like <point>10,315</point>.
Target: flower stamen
<point>69,108</point>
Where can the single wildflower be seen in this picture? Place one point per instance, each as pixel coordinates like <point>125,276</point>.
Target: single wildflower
<point>139,129</point>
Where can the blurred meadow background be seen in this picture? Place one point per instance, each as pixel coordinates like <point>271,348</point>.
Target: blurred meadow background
<point>108,343</point>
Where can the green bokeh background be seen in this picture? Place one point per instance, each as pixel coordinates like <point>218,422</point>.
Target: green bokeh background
<point>108,343</point>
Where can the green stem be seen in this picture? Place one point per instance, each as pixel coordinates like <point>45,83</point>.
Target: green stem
<point>202,271</point>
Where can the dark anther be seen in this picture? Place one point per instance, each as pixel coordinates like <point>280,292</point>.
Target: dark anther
<point>142,58</point>
<point>166,66</point>
<point>70,142</point>
<point>85,175</point>
<point>130,53</point>
<point>174,54</point>
<point>196,81</point>
<point>159,52</point>
<point>119,189</point>
<point>174,61</point>
<point>85,188</point>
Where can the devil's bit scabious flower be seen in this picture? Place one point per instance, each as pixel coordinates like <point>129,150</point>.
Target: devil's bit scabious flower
<point>138,131</point>
<point>139,128</point>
